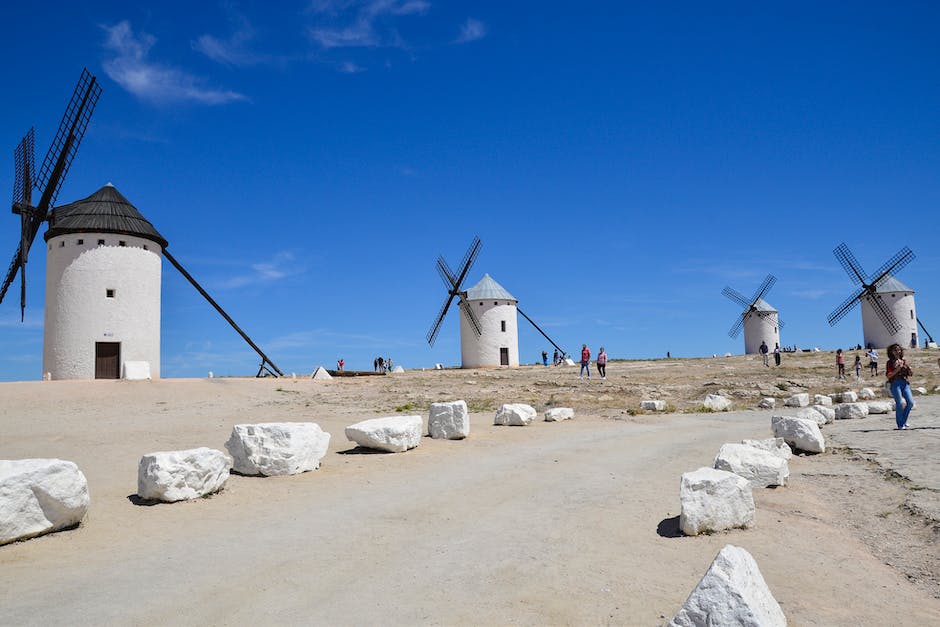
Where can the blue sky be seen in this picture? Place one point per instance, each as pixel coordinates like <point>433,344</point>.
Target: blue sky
<point>622,163</point>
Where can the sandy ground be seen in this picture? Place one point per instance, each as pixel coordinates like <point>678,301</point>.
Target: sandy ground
<point>554,523</point>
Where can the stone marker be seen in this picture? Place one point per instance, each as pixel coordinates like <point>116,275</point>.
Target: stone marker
<point>320,374</point>
<point>767,403</point>
<point>515,414</point>
<point>732,592</point>
<point>182,475</point>
<point>449,421</point>
<point>798,400</point>
<point>777,446</point>
<point>713,500</point>
<point>880,407</point>
<point>398,369</point>
<point>557,414</point>
<point>799,433</point>
<point>760,468</point>
<point>394,434</point>
<point>39,496</point>
<point>866,394</point>
<point>826,411</point>
<point>717,402</point>
<point>811,413</point>
<point>822,399</point>
<point>277,448</point>
<point>137,370</point>
<point>851,410</point>
<point>651,405</point>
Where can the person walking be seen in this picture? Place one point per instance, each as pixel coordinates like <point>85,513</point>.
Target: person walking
<point>777,353</point>
<point>858,367</point>
<point>340,363</point>
<point>601,362</point>
<point>544,358</point>
<point>840,363</point>
<point>873,361</point>
<point>555,358</point>
<point>898,372</point>
<point>585,361</point>
<point>381,363</point>
<point>763,352</point>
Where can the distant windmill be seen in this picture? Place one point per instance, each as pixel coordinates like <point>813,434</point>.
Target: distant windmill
<point>488,325</point>
<point>759,320</point>
<point>888,311</point>
<point>103,265</point>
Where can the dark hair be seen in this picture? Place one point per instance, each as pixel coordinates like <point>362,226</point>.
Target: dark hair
<point>894,348</point>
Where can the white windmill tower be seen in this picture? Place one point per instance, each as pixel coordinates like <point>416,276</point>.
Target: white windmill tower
<point>888,312</point>
<point>103,270</point>
<point>489,333</point>
<point>760,321</point>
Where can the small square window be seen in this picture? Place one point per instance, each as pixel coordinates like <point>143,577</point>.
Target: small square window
<point>62,244</point>
<point>495,303</point>
<point>481,304</point>
<point>122,243</point>
<point>79,242</point>
<point>109,293</point>
<point>101,242</point>
<point>145,247</point>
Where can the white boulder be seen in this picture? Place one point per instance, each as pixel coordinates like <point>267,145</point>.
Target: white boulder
<point>713,500</point>
<point>653,405</point>
<point>717,402</point>
<point>767,402</point>
<point>846,397</point>
<point>799,433</point>
<point>557,414</point>
<point>760,468</point>
<point>880,407</point>
<point>515,414</point>
<point>277,448</point>
<point>798,400</point>
<point>569,361</point>
<point>811,413</point>
<point>38,496</point>
<point>732,592</point>
<point>398,369</point>
<point>777,446</point>
<point>866,394</point>
<point>449,421</point>
<point>320,374</point>
<point>826,411</point>
<point>137,370</point>
<point>851,410</point>
<point>394,434</point>
<point>822,399</point>
<point>182,475</point>
<point>921,391</point>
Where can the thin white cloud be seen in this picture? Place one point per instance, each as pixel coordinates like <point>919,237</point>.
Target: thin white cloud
<point>131,68</point>
<point>281,266</point>
<point>362,23</point>
<point>348,67</point>
<point>471,30</point>
<point>234,50</point>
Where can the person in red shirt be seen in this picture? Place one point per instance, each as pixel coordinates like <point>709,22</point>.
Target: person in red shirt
<point>840,362</point>
<point>585,361</point>
<point>898,373</point>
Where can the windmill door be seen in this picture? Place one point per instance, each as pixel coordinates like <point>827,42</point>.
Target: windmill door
<point>504,357</point>
<point>107,360</point>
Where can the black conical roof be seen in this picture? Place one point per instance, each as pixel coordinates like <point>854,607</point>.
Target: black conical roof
<point>105,211</point>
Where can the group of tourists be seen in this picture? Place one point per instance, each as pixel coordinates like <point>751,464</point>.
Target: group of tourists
<point>600,361</point>
<point>382,364</point>
<point>765,350</point>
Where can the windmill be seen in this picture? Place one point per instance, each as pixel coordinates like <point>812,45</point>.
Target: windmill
<point>488,325</point>
<point>103,267</point>
<point>759,320</point>
<point>888,311</point>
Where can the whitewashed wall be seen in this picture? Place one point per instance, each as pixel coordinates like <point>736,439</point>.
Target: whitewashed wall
<point>902,305</point>
<point>78,313</point>
<point>483,350</point>
<point>759,329</point>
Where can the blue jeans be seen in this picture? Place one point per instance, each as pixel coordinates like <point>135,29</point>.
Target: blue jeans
<point>899,388</point>
<point>585,365</point>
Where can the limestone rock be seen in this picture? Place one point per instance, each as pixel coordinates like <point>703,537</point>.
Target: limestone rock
<point>732,592</point>
<point>557,414</point>
<point>182,475</point>
<point>713,500</point>
<point>394,434</point>
<point>826,411</point>
<point>320,374</point>
<point>761,468</point>
<point>799,433</point>
<point>449,421</point>
<point>277,448</point>
<point>921,391</point>
<point>650,405</point>
<point>851,410</point>
<point>39,496</point>
<point>515,414</point>
<point>880,407</point>
<point>822,399</point>
<point>798,400</point>
<point>846,397</point>
<point>866,394</point>
<point>569,361</point>
<point>777,446</point>
<point>767,403</point>
<point>717,402</point>
<point>811,413</point>
<point>398,369</point>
